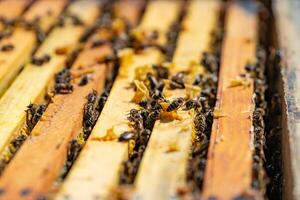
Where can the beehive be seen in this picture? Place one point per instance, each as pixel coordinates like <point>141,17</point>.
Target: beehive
<point>148,99</point>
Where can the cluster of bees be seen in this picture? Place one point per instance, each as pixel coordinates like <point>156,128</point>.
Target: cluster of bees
<point>155,79</point>
<point>33,114</point>
<point>257,72</point>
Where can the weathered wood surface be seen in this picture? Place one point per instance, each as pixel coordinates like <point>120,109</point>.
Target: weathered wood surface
<point>162,173</point>
<point>288,28</point>
<point>96,171</point>
<point>12,9</point>
<point>228,172</point>
<point>46,148</point>
<point>24,41</point>
<point>31,85</point>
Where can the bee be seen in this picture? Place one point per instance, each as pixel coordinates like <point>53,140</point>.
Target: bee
<point>90,113</point>
<point>209,93</point>
<point>98,43</point>
<point>177,81</point>
<point>84,80</point>
<point>143,137</point>
<point>145,133</point>
<point>144,114</point>
<point>134,116</point>
<point>73,151</point>
<point>210,62</point>
<point>198,80</point>
<point>152,117</point>
<point>7,47</point>
<point>63,76</point>
<point>128,135</point>
<point>156,95</point>
<point>161,72</point>
<point>138,125</point>
<point>18,141</point>
<point>174,85</point>
<point>102,100</point>
<point>92,97</point>
<point>90,117</point>
<point>143,103</point>
<point>63,88</point>
<point>175,104</point>
<point>152,81</point>
<point>192,104</point>
<point>204,101</point>
<point>200,123</point>
<point>39,61</point>
<point>63,82</point>
<point>33,114</point>
<point>154,105</point>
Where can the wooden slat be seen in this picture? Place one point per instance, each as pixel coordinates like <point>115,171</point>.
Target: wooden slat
<point>45,150</point>
<point>24,41</point>
<point>31,84</point>
<point>11,9</point>
<point>228,172</point>
<point>161,172</point>
<point>124,8</point>
<point>288,27</point>
<point>96,171</point>
<point>47,146</point>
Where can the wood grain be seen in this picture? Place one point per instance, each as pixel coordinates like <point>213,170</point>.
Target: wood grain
<point>32,82</point>
<point>96,171</point>
<point>47,146</point>
<point>228,172</point>
<point>11,9</point>
<point>24,41</point>
<point>162,173</point>
<point>45,150</point>
<point>287,28</point>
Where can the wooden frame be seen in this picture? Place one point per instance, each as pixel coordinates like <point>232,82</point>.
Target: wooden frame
<point>49,141</point>
<point>287,29</point>
<point>31,85</point>
<point>24,41</point>
<point>228,172</point>
<point>82,182</point>
<point>162,173</point>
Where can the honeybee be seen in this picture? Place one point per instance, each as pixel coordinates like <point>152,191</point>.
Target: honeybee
<point>7,47</point>
<point>128,135</point>
<point>192,104</point>
<point>40,60</point>
<point>175,104</point>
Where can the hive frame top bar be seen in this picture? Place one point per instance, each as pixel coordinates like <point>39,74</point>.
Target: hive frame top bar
<point>11,9</point>
<point>24,90</point>
<point>288,28</point>
<point>113,117</point>
<point>231,133</point>
<point>25,41</point>
<point>158,166</point>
